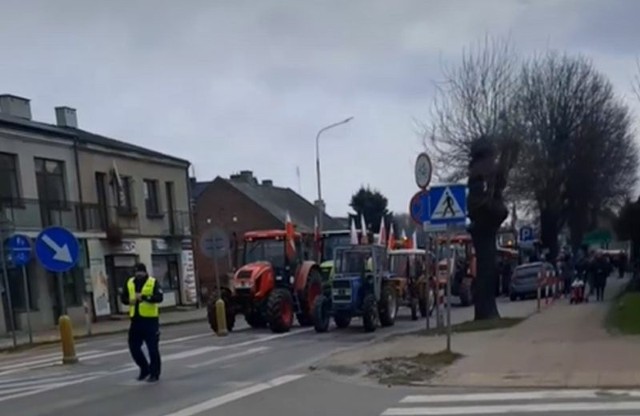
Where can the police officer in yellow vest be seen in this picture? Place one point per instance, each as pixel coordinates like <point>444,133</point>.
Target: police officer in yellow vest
<point>143,294</point>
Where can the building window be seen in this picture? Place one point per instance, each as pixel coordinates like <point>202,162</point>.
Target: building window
<point>9,190</point>
<point>50,176</point>
<point>151,197</point>
<point>123,194</point>
<point>165,269</point>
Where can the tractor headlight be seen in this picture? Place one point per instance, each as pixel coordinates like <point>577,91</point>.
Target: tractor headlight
<point>290,280</point>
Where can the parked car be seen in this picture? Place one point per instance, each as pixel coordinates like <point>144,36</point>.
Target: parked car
<point>524,280</point>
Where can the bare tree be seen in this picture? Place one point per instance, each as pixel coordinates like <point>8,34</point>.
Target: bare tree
<point>472,135</point>
<point>578,155</point>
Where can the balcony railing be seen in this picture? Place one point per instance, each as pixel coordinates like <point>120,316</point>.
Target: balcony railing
<point>178,223</point>
<point>124,218</point>
<point>36,214</point>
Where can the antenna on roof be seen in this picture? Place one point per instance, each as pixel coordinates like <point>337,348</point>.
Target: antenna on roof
<point>299,181</point>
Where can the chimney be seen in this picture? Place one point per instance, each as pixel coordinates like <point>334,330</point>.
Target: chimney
<point>15,106</point>
<point>267,182</point>
<point>66,117</point>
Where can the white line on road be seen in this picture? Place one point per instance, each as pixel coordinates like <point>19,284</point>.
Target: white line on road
<point>42,360</point>
<point>48,387</point>
<point>236,395</point>
<point>191,353</point>
<point>522,396</point>
<point>250,351</point>
<point>613,406</point>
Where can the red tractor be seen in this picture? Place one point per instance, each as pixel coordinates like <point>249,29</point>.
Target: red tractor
<point>270,288</point>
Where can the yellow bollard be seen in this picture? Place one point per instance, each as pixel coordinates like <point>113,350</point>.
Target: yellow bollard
<point>221,318</point>
<point>67,341</point>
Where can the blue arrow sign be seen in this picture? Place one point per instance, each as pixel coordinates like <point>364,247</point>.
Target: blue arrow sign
<point>57,249</point>
<point>19,249</point>
<point>448,205</point>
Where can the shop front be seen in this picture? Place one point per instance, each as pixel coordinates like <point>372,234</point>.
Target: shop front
<point>165,268</point>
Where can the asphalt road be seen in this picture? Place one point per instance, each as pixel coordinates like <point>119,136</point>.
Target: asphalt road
<point>247,372</point>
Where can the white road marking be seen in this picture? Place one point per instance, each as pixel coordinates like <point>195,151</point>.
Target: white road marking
<point>236,395</point>
<point>56,357</point>
<point>191,353</point>
<point>47,385</point>
<point>269,338</point>
<point>250,351</point>
<point>613,406</point>
<point>523,396</point>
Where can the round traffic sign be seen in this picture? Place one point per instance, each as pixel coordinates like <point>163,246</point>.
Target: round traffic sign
<point>423,170</point>
<point>57,249</point>
<point>214,243</point>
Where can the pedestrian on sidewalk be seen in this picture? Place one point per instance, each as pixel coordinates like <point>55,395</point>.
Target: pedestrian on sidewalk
<point>143,295</point>
<point>601,270</point>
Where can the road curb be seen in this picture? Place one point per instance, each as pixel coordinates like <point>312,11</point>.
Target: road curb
<point>27,346</point>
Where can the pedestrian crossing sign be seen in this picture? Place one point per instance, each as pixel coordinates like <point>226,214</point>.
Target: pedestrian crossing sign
<point>448,204</point>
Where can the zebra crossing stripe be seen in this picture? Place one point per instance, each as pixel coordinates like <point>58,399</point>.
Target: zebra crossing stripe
<point>613,406</point>
<point>522,396</point>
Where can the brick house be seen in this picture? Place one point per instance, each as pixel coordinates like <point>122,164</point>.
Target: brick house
<point>225,208</point>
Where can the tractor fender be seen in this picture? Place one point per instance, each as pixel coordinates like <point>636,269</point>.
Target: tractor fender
<point>303,274</point>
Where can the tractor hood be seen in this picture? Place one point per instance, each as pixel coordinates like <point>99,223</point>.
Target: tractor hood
<point>252,270</point>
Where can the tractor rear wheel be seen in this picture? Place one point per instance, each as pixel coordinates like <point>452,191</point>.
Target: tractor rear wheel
<point>280,310</point>
<point>466,291</point>
<point>388,306</point>
<point>308,297</point>
<point>342,320</point>
<point>414,309</point>
<point>369,313</point>
<point>322,314</point>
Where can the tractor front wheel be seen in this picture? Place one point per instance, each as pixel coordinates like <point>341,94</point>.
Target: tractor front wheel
<point>308,297</point>
<point>321,314</point>
<point>370,313</point>
<point>388,306</point>
<point>280,310</point>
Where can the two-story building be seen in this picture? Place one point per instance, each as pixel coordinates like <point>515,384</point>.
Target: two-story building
<point>124,203</point>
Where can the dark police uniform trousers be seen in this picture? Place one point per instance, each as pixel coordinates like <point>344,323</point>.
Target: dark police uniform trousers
<point>144,330</point>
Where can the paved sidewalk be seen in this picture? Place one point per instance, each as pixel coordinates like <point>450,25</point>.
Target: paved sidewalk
<point>105,327</point>
<point>563,346</point>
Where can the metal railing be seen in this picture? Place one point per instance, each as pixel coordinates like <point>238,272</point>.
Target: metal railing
<point>36,214</point>
<point>178,223</point>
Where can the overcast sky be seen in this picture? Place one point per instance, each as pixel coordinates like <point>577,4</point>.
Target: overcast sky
<point>239,84</point>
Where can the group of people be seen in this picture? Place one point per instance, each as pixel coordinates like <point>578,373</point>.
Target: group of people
<point>592,269</point>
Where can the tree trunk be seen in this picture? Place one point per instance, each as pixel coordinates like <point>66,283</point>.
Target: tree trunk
<point>549,233</point>
<point>484,242</point>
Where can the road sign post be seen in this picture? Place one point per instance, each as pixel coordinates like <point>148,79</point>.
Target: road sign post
<point>7,292</point>
<point>20,248</point>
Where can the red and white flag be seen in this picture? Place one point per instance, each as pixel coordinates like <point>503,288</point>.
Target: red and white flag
<point>363,226</point>
<point>290,238</point>
<point>392,237</point>
<point>382,235</point>
<point>414,239</point>
<point>354,233</point>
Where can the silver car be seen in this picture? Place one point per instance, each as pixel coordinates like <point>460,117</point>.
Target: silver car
<point>524,280</point>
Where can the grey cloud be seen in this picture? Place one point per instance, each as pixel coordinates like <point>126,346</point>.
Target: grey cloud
<point>247,83</point>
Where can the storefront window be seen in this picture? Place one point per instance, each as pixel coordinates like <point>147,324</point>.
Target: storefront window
<point>73,280</point>
<point>165,269</point>
<point>16,287</point>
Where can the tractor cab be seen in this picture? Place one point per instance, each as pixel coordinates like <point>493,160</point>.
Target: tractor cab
<point>268,248</point>
<point>329,241</point>
<point>462,283</point>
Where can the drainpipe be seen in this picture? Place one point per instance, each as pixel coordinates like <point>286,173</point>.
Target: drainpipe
<point>83,222</point>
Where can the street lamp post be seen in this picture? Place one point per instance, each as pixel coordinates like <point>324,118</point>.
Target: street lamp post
<point>320,202</point>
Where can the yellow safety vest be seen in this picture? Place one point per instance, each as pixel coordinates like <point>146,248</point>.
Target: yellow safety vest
<point>145,309</point>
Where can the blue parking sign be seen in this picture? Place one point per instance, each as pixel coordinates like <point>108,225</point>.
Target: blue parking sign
<point>19,249</point>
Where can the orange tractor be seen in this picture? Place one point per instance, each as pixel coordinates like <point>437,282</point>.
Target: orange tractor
<point>463,281</point>
<point>270,288</point>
